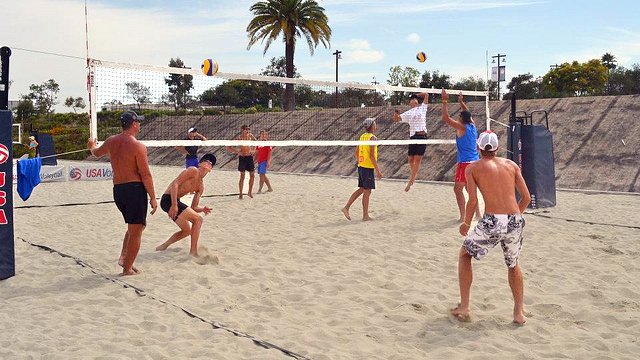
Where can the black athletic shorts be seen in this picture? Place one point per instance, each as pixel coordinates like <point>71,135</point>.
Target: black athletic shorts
<point>245,163</point>
<point>131,200</point>
<point>366,178</point>
<point>417,149</point>
<point>165,205</point>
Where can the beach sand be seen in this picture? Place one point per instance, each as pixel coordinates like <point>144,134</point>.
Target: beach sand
<point>288,269</point>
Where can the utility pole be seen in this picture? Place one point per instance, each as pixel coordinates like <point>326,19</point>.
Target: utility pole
<point>501,70</point>
<point>553,67</point>
<point>374,82</point>
<point>338,56</point>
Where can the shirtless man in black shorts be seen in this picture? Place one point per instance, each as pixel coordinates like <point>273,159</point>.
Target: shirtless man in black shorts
<point>245,159</point>
<point>132,182</point>
<point>187,218</point>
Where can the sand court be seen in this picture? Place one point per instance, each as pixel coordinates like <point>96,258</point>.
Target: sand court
<point>293,272</point>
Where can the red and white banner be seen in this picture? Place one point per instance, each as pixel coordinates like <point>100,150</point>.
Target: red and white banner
<point>94,171</point>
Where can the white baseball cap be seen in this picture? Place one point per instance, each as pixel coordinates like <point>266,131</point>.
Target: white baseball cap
<point>488,141</point>
<point>367,122</point>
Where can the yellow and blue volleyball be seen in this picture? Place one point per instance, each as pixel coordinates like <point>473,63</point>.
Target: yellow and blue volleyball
<point>209,67</point>
<point>421,56</point>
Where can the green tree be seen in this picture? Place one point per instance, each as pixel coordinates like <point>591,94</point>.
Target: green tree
<point>179,86</point>
<point>226,95</point>
<point>44,96</point>
<point>352,97</point>
<point>25,109</point>
<point>575,79</point>
<point>609,61</point>
<point>477,84</point>
<point>524,86</point>
<point>278,67</point>
<point>435,80</point>
<point>292,19</point>
<point>141,94</point>
<point>399,76</point>
<point>75,103</point>
<point>624,81</point>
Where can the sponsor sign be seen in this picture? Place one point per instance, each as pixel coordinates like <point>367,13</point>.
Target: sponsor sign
<point>84,172</point>
<point>53,173</point>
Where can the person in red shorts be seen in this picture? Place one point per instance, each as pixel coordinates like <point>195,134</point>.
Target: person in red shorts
<point>466,136</point>
<point>262,157</point>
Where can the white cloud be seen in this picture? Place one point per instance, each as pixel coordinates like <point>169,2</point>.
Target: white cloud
<point>626,49</point>
<point>448,6</point>
<point>144,36</point>
<point>413,38</point>
<point>358,51</point>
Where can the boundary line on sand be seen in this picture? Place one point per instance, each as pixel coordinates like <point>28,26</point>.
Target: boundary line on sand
<point>141,292</point>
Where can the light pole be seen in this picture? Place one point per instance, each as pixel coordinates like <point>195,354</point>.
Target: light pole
<point>501,70</point>
<point>338,56</point>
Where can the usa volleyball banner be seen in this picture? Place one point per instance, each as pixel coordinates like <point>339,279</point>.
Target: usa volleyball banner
<point>96,171</point>
<point>7,256</point>
<point>53,173</point>
<point>47,173</point>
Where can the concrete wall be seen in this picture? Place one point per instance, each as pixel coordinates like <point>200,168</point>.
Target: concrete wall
<point>596,139</point>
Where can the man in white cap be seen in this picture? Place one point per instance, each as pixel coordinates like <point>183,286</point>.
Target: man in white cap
<point>367,156</point>
<point>191,152</point>
<point>502,223</point>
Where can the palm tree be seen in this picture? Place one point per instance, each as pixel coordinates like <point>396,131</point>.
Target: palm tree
<point>609,61</point>
<point>292,18</point>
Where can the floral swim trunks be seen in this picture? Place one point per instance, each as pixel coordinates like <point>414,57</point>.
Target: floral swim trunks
<point>493,229</point>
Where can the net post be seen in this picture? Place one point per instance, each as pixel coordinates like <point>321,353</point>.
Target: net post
<point>91,87</point>
<point>7,254</point>
<point>486,110</point>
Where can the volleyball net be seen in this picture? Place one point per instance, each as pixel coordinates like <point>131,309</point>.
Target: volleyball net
<point>173,100</point>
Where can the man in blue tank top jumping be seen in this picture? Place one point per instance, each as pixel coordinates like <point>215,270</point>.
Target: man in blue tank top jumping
<point>466,136</point>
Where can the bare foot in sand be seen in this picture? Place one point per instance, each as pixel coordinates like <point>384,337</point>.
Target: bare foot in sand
<point>250,195</point>
<point>461,314</point>
<point>133,268</point>
<point>270,190</point>
<point>161,247</point>
<point>128,273</point>
<point>408,187</point>
<point>519,318</point>
<point>366,218</point>
<point>345,211</point>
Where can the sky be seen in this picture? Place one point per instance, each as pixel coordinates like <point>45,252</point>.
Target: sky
<point>373,36</point>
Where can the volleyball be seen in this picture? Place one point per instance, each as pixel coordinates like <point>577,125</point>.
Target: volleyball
<point>209,67</point>
<point>421,56</point>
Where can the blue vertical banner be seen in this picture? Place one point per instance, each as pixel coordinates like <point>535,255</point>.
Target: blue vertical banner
<point>7,254</point>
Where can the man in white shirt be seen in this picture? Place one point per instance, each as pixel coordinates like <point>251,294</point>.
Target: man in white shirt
<point>416,117</point>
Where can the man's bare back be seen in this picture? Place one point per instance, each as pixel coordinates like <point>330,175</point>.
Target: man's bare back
<point>497,178</point>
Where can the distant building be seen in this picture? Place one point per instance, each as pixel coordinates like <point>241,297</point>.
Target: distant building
<point>13,104</point>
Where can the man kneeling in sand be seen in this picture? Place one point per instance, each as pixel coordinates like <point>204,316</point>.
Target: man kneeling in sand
<point>502,222</point>
<point>187,218</point>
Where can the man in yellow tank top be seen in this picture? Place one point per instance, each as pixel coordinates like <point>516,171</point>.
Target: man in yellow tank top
<point>367,156</point>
